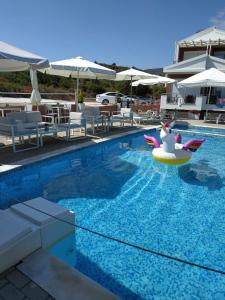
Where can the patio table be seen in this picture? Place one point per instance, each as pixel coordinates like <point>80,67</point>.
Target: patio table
<point>57,109</point>
<point>51,129</point>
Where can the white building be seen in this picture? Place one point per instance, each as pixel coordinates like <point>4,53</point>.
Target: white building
<point>194,54</point>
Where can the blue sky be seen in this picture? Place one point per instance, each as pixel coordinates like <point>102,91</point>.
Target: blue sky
<point>137,33</point>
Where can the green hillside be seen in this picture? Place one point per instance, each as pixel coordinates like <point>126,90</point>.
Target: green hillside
<point>20,82</point>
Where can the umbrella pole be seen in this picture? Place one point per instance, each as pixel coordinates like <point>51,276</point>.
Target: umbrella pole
<point>77,94</point>
<point>131,81</point>
<point>209,94</point>
<point>208,102</point>
<point>75,90</point>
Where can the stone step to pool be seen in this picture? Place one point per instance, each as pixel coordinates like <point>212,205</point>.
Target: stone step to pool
<point>60,280</point>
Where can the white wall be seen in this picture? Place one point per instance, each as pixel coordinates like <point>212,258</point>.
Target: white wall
<point>182,92</point>
<point>200,104</point>
<point>197,106</point>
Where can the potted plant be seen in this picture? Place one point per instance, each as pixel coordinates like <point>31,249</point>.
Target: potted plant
<point>80,99</point>
<point>118,101</point>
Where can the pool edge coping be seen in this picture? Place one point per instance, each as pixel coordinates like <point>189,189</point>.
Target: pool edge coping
<point>4,168</point>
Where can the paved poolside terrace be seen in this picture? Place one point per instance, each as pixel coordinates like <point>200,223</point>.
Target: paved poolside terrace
<point>14,284</point>
<point>54,146</point>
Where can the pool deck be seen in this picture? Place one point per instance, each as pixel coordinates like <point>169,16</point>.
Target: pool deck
<point>202,123</point>
<point>41,276</point>
<point>13,283</point>
<point>52,147</point>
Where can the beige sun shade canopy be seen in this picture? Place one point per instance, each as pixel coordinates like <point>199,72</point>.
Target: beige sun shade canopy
<point>79,67</point>
<point>209,78</point>
<point>14,59</point>
<point>152,81</point>
<point>133,74</point>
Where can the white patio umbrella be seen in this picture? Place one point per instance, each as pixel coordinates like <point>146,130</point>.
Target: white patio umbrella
<point>133,74</point>
<point>79,67</point>
<point>152,81</point>
<point>13,59</point>
<point>35,97</point>
<point>209,78</point>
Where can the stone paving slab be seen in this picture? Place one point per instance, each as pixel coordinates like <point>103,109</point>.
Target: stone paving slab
<point>10,292</point>
<point>61,280</point>
<point>3,282</point>
<point>14,285</point>
<point>34,292</point>
<point>10,160</point>
<point>18,279</point>
<point>7,156</point>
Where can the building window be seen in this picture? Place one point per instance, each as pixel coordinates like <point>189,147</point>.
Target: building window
<point>205,91</point>
<point>219,54</point>
<point>191,54</point>
<point>189,99</point>
<point>215,94</point>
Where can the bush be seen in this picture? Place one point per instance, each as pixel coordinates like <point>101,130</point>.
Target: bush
<point>80,97</point>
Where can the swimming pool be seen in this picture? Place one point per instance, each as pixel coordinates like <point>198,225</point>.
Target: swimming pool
<point>117,189</point>
<point>210,130</point>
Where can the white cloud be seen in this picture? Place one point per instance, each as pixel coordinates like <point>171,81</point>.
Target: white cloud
<point>219,19</point>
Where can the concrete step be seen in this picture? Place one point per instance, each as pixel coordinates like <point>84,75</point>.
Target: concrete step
<point>60,280</point>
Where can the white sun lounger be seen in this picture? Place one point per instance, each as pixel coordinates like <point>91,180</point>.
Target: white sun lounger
<point>49,217</point>
<point>25,228</point>
<point>17,239</point>
<point>125,115</point>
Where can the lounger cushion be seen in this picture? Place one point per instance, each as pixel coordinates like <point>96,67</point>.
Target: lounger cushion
<point>21,129</point>
<point>76,115</point>
<point>91,111</point>
<point>17,116</point>
<point>5,120</point>
<point>12,229</point>
<point>34,125</point>
<point>34,116</point>
<point>32,210</point>
<point>118,117</point>
<point>5,125</point>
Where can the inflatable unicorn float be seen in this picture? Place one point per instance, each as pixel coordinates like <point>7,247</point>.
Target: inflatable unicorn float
<point>172,151</point>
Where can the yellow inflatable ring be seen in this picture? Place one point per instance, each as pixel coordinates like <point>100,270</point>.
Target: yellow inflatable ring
<point>177,157</point>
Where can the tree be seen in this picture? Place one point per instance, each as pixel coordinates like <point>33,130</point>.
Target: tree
<point>16,82</point>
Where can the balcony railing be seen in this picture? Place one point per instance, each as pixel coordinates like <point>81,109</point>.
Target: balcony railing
<point>175,100</point>
<point>172,100</point>
<point>189,99</point>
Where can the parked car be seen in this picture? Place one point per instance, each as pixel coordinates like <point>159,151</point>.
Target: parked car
<point>145,100</point>
<point>131,99</point>
<point>109,97</point>
<point>138,99</point>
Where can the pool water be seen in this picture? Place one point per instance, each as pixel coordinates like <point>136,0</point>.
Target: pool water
<point>116,188</point>
<point>209,130</point>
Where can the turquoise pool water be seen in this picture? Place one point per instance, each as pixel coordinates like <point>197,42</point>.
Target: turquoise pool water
<point>117,189</point>
<point>210,130</point>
